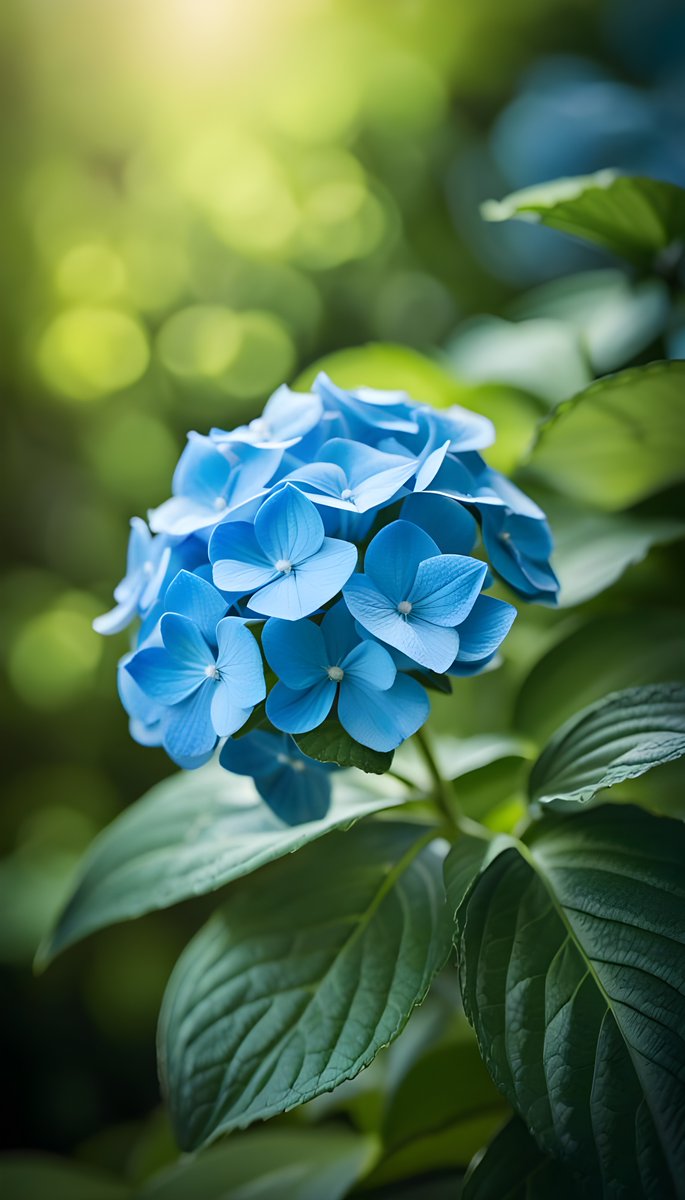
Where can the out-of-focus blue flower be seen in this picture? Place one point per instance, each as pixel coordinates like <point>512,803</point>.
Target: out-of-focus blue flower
<point>210,483</point>
<point>295,787</point>
<point>284,562</point>
<point>352,476</point>
<point>317,664</point>
<point>146,567</point>
<point>412,596</point>
<point>207,695</point>
<point>287,417</point>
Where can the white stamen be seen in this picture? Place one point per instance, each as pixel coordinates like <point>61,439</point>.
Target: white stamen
<point>405,607</point>
<point>346,494</point>
<point>212,671</point>
<point>335,674</point>
<point>260,427</point>
<point>505,536</point>
<point>219,503</point>
<point>284,565</point>
<point>147,568</point>
<point>297,764</point>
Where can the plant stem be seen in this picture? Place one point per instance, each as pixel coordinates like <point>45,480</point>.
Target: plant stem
<point>442,792</point>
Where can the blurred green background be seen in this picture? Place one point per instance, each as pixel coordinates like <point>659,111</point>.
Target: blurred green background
<point>200,198</point>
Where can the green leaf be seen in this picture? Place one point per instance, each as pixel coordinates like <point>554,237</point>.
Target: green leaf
<point>632,216</point>
<point>331,744</point>
<point>541,357</point>
<point>614,317</point>
<point>620,737</point>
<point>188,836</point>
<point>34,1176</point>
<point>604,654</point>
<point>270,1164</point>
<point>464,863</point>
<point>301,977</point>
<point>593,549</point>
<point>572,963</point>
<point>513,1165</point>
<point>444,1108</point>
<point>619,441</point>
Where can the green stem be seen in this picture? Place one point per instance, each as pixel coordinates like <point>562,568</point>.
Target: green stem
<point>444,797</point>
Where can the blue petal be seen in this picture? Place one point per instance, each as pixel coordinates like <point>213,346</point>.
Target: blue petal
<point>369,665</point>
<point>162,677</point>
<point>451,527</point>
<point>339,633</point>
<point>310,584</point>
<point>188,731</point>
<point>240,564</point>
<point>297,791</point>
<point>253,469</point>
<point>382,720</point>
<point>288,527</point>
<point>426,644</point>
<point>117,618</point>
<point>181,516</point>
<point>202,472</point>
<point>239,661</point>
<point>298,712</point>
<point>227,715</point>
<point>184,641</point>
<point>393,558</point>
<point>295,651</point>
<point>155,582</point>
<point>290,414</point>
<point>328,480</point>
<point>446,588</point>
<point>466,430</point>
<point>372,476</point>
<point>484,629</point>
<point>139,546</point>
<point>254,754</point>
<point>193,597</point>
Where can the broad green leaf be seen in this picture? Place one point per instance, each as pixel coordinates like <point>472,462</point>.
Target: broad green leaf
<point>445,1107</point>
<point>270,1164</point>
<point>593,549</point>
<point>301,977</point>
<point>542,357</point>
<point>513,1165</point>
<point>331,744</point>
<point>619,441</point>
<point>604,654</point>
<point>514,412</point>
<point>618,738</point>
<point>615,318</point>
<point>38,1176</point>
<point>635,217</point>
<point>188,836</point>
<point>572,961</point>
<point>464,863</point>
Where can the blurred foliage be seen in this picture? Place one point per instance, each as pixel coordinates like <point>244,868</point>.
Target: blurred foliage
<point>202,197</point>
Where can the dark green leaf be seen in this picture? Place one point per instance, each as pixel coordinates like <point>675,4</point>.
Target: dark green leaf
<point>632,216</point>
<point>618,738</point>
<point>514,1166</point>
<point>301,977</point>
<point>42,1177</point>
<point>572,960</point>
<point>619,441</point>
<point>188,836</point>
<point>269,1164</point>
<point>464,863</point>
<point>602,655</point>
<point>330,743</point>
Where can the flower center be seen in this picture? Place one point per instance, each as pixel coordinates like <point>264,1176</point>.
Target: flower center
<point>220,503</point>
<point>283,565</point>
<point>147,568</point>
<point>505,536</point>
<point>346,494</point>
<point>212,671</point>
<point>260,427</point>
<point>335,674</point>
<point>405,607</point>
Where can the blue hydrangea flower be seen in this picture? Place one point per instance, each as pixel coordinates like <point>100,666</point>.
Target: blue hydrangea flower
<point>366,414</point>
<point>482,634</point>
<point>210,482</point>
<point>284,562</point>
<point>412,596</point>
<point>208,694</point>
<point>146,567</point>
<point>295,787</point>
<point>287,418</point>
<point>352,476</point>
<point>319,664</point>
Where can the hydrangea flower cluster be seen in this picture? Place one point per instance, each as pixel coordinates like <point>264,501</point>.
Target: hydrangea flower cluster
<point>317,565</point>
